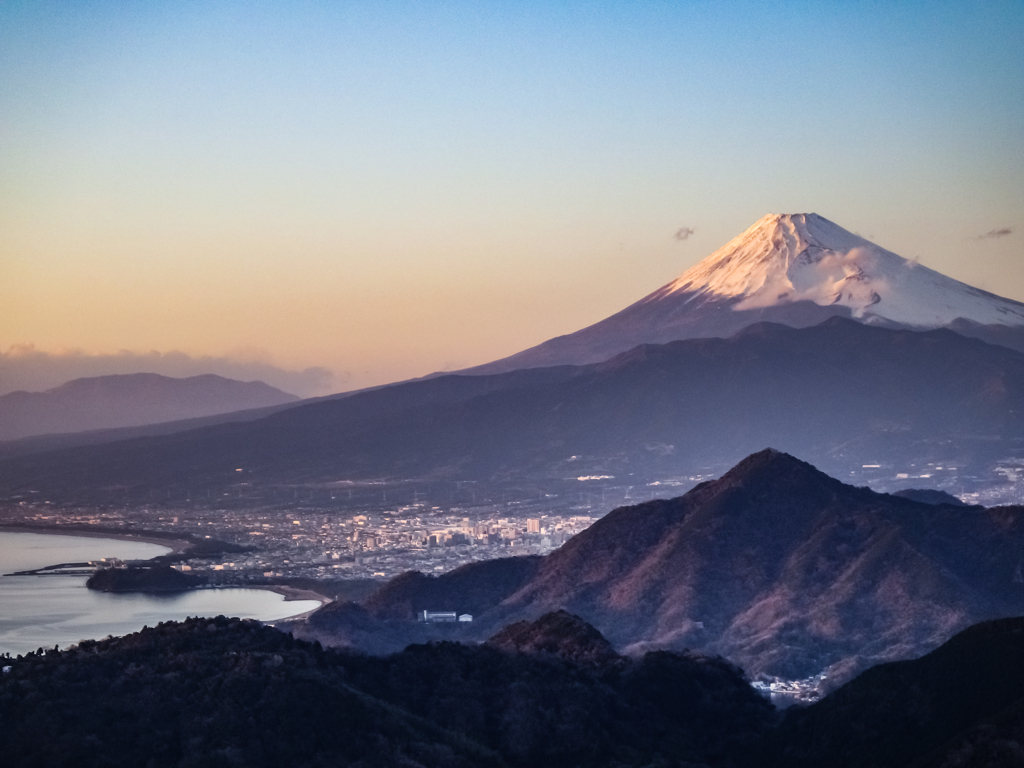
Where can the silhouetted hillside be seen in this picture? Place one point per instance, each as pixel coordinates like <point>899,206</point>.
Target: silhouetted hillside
<point>960,705</point>
<point>227,692</point>
<point>209,693</point>
<point>155,578</point>
<point>930,496</point>
<point>472,588</point>
<point>559,634</point>
<point>213,692</point>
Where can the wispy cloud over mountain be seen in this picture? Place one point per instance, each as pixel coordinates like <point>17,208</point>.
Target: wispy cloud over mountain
<point>23,367</point>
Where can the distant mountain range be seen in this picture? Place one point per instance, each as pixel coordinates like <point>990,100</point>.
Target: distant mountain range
<point>685,381</point>
<point>129,400</point>
<point>793,269</point>
<point>776,566</point>
<point>841,393</point>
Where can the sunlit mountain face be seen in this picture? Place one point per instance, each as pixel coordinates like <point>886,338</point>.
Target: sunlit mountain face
<point>795,269</point>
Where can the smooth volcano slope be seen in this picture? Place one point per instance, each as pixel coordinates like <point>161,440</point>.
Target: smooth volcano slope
<point>794,269</point>
<point>784,570</point>
<point>840,393</point>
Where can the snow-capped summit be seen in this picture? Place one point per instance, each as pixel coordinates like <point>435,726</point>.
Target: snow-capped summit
<point>785,258</point>
<point>795,269</point>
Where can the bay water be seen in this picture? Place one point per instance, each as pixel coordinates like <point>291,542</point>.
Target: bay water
<point>47,611</point>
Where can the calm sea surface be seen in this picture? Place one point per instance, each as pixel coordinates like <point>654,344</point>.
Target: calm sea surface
<point>44,611</point>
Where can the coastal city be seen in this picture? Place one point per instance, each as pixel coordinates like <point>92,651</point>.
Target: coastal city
<point>309,539</point>
<point>317,534</point>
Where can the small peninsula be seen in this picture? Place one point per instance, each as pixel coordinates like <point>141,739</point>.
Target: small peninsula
<point>157,578</point>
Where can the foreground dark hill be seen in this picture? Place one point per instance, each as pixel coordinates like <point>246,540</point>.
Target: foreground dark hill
<point>961,705</point>
<point>841,393</point>
<point>127,400</point>
<point>214,692</point>
<point>224,692</point>
<point>775,566</point>
<point>209,693</point>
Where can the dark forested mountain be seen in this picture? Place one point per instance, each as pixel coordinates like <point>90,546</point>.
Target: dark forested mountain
<point>128,400</point>
<point>841,393</point>
<point>214,692</point>
<point>224,692</point>
<point>558,633</point>
<point>961,705</point>
<point>775,566</point>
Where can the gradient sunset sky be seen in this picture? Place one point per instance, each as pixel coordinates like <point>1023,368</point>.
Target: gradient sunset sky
<point>387,189</point>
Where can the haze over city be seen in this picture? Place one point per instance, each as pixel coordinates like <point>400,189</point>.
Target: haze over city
<point>328,196</point>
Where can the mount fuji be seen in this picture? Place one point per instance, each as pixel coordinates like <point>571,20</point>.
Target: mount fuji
<point>795,269</point>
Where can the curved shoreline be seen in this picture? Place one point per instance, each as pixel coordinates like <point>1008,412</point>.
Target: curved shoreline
<point>293,594</point>
<point>177,546</point>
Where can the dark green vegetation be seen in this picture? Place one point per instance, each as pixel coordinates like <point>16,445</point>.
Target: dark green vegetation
<point>654,411</point>
<point>961,705</point>
<point>224,692</point>
<point>775,565</point>
<point>228,692</point>
<point>155,578</point>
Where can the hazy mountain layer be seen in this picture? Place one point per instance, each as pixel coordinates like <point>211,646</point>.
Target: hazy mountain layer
<point>840,393</point>
<point>128,400</point>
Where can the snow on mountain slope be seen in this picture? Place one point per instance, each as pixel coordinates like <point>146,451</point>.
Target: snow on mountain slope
<point>786,258</point>
<point>794,269</point>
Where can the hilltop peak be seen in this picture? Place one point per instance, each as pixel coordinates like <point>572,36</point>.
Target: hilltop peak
<point>777,474</point>
<point>559,633</point>
<point>803,257</point>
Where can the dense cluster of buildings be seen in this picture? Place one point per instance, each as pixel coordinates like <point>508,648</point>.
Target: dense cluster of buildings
<point>307,539</point>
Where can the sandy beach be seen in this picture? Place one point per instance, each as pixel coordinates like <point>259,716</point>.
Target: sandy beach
<point>291,594</point>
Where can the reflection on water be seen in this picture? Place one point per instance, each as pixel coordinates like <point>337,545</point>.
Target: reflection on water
<point>44,611</point>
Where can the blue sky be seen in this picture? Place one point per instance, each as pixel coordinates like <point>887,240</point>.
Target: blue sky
<point>386,189</point>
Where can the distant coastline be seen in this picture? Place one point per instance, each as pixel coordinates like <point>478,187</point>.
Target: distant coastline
<point>177,546</point>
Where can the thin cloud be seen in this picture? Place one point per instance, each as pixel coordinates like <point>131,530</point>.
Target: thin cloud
<point>23,367</point>
<point>995,234</point>
<point>684,233</point>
